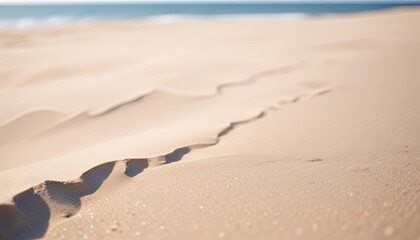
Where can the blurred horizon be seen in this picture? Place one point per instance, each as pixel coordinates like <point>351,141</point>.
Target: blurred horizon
<point>53,14</point>
<point>34,2</point>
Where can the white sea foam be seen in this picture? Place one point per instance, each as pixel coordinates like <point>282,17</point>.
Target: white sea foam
<point>175,18</point>
<point>52,21</point>
<point>55,21</point>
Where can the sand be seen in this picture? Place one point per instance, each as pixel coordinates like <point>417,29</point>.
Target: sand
<point>302,129</point>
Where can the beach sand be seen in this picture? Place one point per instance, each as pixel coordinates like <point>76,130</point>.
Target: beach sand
<point>306,129</point>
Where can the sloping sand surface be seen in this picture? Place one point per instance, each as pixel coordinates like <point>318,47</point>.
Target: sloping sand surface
<point>292,130</point>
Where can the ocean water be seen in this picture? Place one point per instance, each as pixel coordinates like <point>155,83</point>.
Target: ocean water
<point>38,16</point>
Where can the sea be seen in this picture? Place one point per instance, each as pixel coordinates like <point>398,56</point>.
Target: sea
<point>50,15</point>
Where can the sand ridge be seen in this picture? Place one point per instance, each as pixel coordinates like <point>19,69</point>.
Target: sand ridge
<point>64,133</point>
<point>60,200</point>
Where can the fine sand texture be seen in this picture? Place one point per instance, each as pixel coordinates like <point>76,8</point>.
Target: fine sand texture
<point>304,129</point>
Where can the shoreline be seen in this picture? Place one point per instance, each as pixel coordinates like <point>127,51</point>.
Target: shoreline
<point>174,19</point>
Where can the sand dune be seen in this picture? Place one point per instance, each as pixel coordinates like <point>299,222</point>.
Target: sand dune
<point>56,146</point>
<point>260,130</point>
